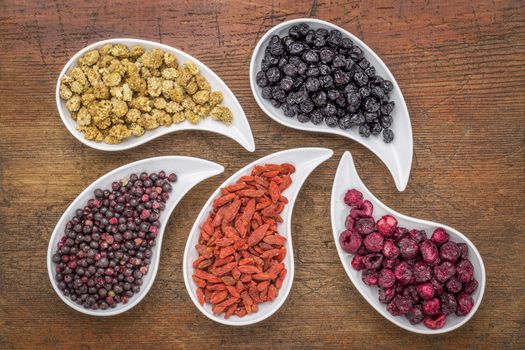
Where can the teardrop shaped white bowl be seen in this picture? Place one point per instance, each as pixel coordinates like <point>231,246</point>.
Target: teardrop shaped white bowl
<point>239,130</point>
<point>347,178</point>
<point>190,171</point>
<point>396,155</point>
<point>305,161</point>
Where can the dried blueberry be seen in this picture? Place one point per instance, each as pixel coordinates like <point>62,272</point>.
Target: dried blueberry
<point>286,83</point>
<point>341,77</point>
<point>326,81</point>
<point>261,79</point>
<point>266,92</point>
<point>290,70</point>
<point>296,48</point>
<point>326,55</point>
<point>388,135</point>
<point>312,84</point>
<point>364,130</point>
<point>288,110</point>
<point>316,117</point>
<point>303,117</point>
<point>312,72</point>
<point>273,74</point>
<point>345,122</point>
<point>319,98</point>
<point>331,121</point>
<point>360,77</point>
<point>307,106</point>
<point>310,56</point>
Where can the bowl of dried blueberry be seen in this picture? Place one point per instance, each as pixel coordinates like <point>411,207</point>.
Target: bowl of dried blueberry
<point>312,75</point>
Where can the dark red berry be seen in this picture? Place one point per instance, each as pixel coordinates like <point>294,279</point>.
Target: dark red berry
<point>386,225</point>
<point>415,315</point>
<point>408,248</point>
<point>425,290</point>
<point>369,277</point>
<point>449,251</point>
<point>422,272</point>
<point>465,304</point>
<point>403,304</point>
<point>390,250</point>
<point>429,252</point>
<point>374,242</point>
<point>386,295</point>
<point>403,273</point>
<point>373,261</point>
<point>386,278</point>
<point>439,236</point>
<point>350,241</point>
<point>357,262</point>
<point>448,303</point>
<point>417,236</point>
<point>471,286</point>
<point>365,226</point>
<point>453,285</point>
<point>411,292</point>
<point>353,198</point>
<point>444,271</point>
<point>436,321</point>
<point>431,306</point>
<point>464,271</point>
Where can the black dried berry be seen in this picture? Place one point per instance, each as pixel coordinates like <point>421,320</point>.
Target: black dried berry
<point>310,56</point>
<point>312,72</point>
<point>290,70</point>
<point>319,98</point>
<point>304,29</point>
<point>350,66</point>
<point>316,117</point>
<point>341,77</point>
<point>329,110</point>
<point>298,82</point>
<point>376,129</point>
<point>364,91</point>
<point>331,121</point>
<point>360,77</point>
<point>364,130</point>
<point>275,103</point>
<point>326,81</point>
<point>388,135</point>
<point>301,68</point>
<point>387,108</point>
<point>345,122</point>
<point>347,43</point>
<point>341,102</point>
<point>335,38</point>
<point>319,41</point>
<point>294,32</point>
<point>276,46</point>
<point>326,55</point>
<point>357,119</point>
<point>370,117</point>
<point>261,79</point>
<point>364,63</point>
<point>278,94</point>
<point>286,83</point>
<point>324,69</point>
<point>307,106</point>
<point>288,110</point>
<point>378,93</point>
<point>322,32</point>
<point>356,53</point>
<point>312,84</point>
<point>372,105</point>
<point>266,92</point>
<point>386,121</point>
<point>353,98</point>
<point>333,94</point>
<point>303,118</point>
<point>371,72</point>
<point>273,74</point>
<point>387,86</point>
<point>339,61</point>
<point>309,37</point>
<point>296,48</point>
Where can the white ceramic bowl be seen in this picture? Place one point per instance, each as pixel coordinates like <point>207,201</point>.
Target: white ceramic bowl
<point>239,130</point>
<point>396,155</point>
<point>305,161</point>
<point>346,178</point>
<point>190,171</point>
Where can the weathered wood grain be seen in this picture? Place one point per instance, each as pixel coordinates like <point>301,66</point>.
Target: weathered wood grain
<point>461,66</point>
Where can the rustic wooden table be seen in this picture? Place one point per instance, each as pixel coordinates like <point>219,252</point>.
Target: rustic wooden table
<point>460,65</point>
